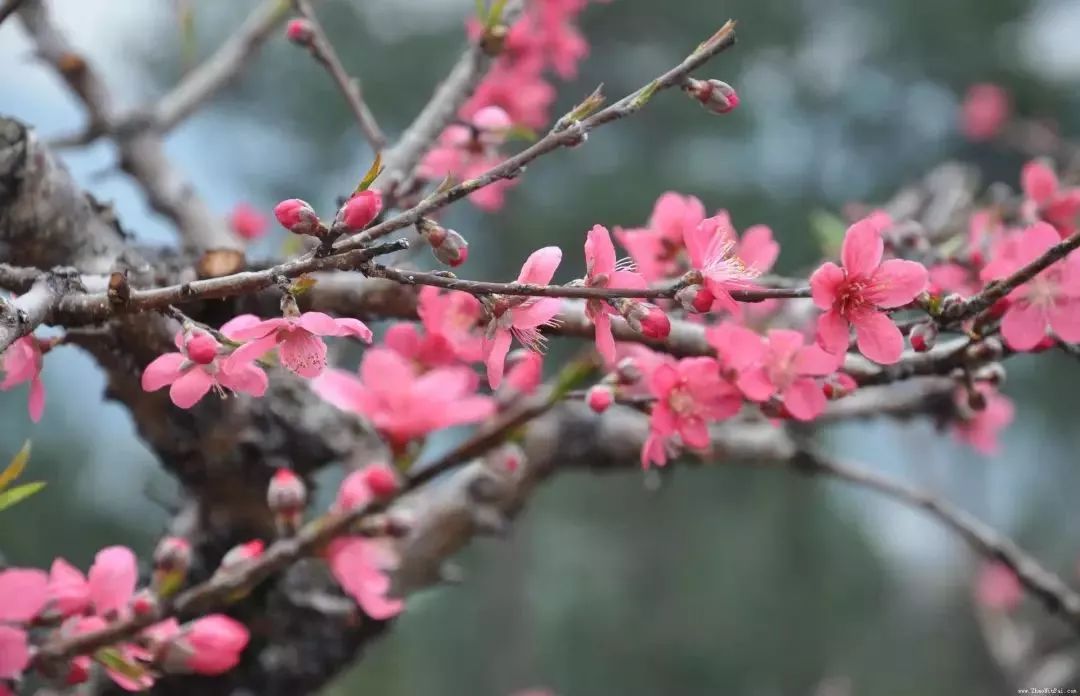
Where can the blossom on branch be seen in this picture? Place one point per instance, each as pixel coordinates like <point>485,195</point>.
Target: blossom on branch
<point>788,369</point>
<point>465,151</point>
<point>603,271</point>
<point>247,222</point>
<point>1048,200</point>
<point>21,362</point>
<point>200,365</point>
<point>297,338</point>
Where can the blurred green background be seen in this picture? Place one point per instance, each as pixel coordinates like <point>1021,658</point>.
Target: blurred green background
<point>724,581</point>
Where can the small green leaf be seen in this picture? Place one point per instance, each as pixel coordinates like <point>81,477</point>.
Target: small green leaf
<point>113,659</point>
<point>302,285</point>
<point>828,230</point>
<point>372,174</point>
<point>519,132</point>
<point>16,467</point>
<point>646,94</point>
<point>495,14</point>
<point>587,107</point>
<point>19,493</point>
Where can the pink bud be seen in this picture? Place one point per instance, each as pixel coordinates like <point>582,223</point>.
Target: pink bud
<point>247,222</point>
<point>655,324</point>
<point>628,371</point>
<point>202,348</point>
<point>923,336</point>
<point>242,553</point>
<point>381,480</point>
<point>299,31</point>
<point>838,386</point>
<point>599,397</point>
<point>79,672</point>
<point>492,118</point>
<point>695,298</point>
<point>508,456</point>
<point>172,553</point>
<point>287,492</point>
<point>298,217</point>
<point>453,251</point>
<point>360,210</point>
<point>143,603</point>
<point>210,645</point>
<point>716,96</point>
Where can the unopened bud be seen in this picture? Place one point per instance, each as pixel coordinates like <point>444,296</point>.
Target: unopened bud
<point>360,210</point>
<point>599,397</point>
<point>143,603</point>
<point>381,480</point>
<point>508,457</point>
<point>78,672</point>
<point>201,348</point>
<point>628,371</point>
<point>645,318</point>
<point>492,124</point>
<point>298,217</point>
<point>241,554</point>
<point>172,558</point>
<point>923,336</point>
<point>716,96</point>
<point>951,305</point>
<point>695,298</point>
<point>286,496</point>
<point>448,246</point>
<point>300,32</point>
<point>838,386</point>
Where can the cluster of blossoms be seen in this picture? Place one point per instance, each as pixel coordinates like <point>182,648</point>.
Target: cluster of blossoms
<point>39,608</point>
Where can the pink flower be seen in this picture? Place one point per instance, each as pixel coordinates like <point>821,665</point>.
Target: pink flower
<point>689,395</point>
<point>1050,300</point>
<point>361,209</point>
<point>298,217</point>
<point>454,316</point>
<point>997,587</point>
<point>199,366</point>
<point>135,679</point>
<point>69,593</point>
<point>985,112</point>
<point>525,373</point>
<point>856,294</point>
<point>788,368</point>
<point>424,350</point>
<point>297,338</point>
<point>712,247</point>
<point>401,405</point>
<point>210,645</point>
<point>601,272</point>
<point>655,248</point>
<point>21,362</point>
<point>1047,199</point>
<point>359,565</point>
<point>23,593</point>
<point>980,429</point>
<point>466,151</point>
<point>521,317</point>
<point>359,488</point>
<point>112,580</point>
<point>247,222</point>
<point>519,90</point>
<point>952,278</point>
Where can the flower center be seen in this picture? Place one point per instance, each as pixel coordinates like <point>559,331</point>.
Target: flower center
<point>681,402</point>
<point>851,297</point>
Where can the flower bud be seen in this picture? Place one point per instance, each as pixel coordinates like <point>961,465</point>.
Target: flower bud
<point>695,298</point>
<point>241,554</point>
<point>246,222</point>
<point>201,348</point>
<point>716,96</point>
<point>286,496</point>
<point>381,480</point>
<point>628,371</point>
<point>360,210</point>
<point>492,123</point>
<point>448,246</point>
<point>172,558</point>
<point>838,386</point>
<point>645,318</point>
<point>298,217</point>
<point>78,672</point>
<point>923,336</point>
<point>525,371</point>
<point>599,397</point>
<point>300,32</point>
<point>210,645</point>
<point>508,456</point>
<point>143,602</point>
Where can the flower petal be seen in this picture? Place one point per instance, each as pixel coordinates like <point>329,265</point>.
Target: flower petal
<point>605,341</point>
<point>599,251</point>
<point>896,282</point>
<point>163,371</point>
<point>758,249</point>
<point>304,353</point>
<point>495,351</point>
<point>14,653</point>
<point>825,284</point>
<point>247,330</point>
<point>342,389</point>
<point>804,399</point>
<point>877,337</point>
<point>36,402</point>
<point>192,386</point>
<point>246,378</point>
<point>1064,317</point>
<point>1038,181</point>
<point>386,372</point>
<point>23,592</point>
<point>832,332</point>
<point>538,313</point>
<point>540,267</point>
<point>1023,326</point>
<point>112,579</point>
<point>862,248</point>
<point>240,323</point>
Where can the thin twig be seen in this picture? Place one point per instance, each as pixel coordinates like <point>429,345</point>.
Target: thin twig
<point>323,51</point>
<point>569,136</point>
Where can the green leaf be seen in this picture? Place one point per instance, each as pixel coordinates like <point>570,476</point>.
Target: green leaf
<point>495,14</point>
<point>302,285</point>
<point>113,659</point>
<point>586,108</point>
<point>19,493</point>
<point>646,94</point>
<point>372,174</point>
<point>828,230</point>
<point>16,467</point>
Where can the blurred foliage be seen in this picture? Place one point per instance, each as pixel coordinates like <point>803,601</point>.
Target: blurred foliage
<point>733,580</point>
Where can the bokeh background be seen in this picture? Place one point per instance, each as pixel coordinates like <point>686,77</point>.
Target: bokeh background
<point>723,581</point>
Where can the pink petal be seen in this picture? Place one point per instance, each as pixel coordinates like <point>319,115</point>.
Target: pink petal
<point>662,420</point>
<point>674,213</point>
<point>897,282</point>
<point>599,251</point>
<point>240,323</point>
<point>1064,317</point>
<point>68,590</point>
<point>627,280</point>
<point>1023,326</point>
<point>23,592</point>
<point>663,379</point>
<point>832,332</point>
<point>537,313</point>
<point>812,360</point>
<point>14,653</point>
<point>318,323</point>
<point>304,353</point>
<point>694,433</point>
<point>348,326</point>
<point>862,248</point>
<point>341,389</point>
<point>163,371</point>
<point>605,341</point>
<point>192,386</point>
<point>112,579</point>
<point>755,384</point>
<point>540,267</point>
<point>385,371</point>
<point>758,249</point>
<point>403,338</point>
<point>469,410</point>
<point>825,283</point>
<point>446,383</point>
<point>738,346</point>
<point>354,567</point>
<point>495,351</point>
<point>1038,181</point>
<point>783,345</point>
<point>804,399</point>
<point>245,378</point>
<point>253,350</point>
<point>36,402</point>
<point>877,337</point>
<point>248,330</point>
